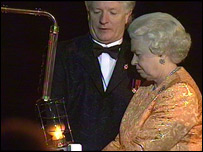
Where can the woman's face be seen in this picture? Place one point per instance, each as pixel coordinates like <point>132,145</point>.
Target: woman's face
<point>147,64</point>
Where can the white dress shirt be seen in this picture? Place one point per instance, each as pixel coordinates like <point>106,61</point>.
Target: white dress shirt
<point>107,64</point>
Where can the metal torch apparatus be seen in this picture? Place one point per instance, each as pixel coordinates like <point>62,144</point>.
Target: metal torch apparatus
<point>52,112</point>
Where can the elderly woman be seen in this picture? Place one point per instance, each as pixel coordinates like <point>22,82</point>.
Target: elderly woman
<point>165,116</point>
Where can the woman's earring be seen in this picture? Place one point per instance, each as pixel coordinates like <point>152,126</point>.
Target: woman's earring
<point>162,61</point>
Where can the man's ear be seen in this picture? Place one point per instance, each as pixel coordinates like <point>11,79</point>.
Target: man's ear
<point>88,11</point>
<point>86,7</point>
<point>88,15</point>
<point>128,17</point>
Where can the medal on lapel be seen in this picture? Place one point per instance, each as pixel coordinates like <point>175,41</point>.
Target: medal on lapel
<point>135,85</point>
<point>125,67</point>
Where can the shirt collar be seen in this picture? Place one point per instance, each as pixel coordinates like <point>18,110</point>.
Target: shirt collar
<point>110,44</point>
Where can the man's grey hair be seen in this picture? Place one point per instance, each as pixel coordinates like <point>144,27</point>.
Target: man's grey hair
<point>166,34</point>
<point>129,5</point>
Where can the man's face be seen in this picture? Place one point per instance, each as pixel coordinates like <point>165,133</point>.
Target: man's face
<point>107,20</point>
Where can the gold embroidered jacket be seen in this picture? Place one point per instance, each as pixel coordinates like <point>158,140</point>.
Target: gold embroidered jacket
<point>166,119</point>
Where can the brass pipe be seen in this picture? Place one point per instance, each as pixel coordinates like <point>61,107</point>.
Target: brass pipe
<point>52,44</point>
<point>29,12</point>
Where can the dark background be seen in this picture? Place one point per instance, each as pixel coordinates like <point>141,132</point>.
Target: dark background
<point>24,40</point>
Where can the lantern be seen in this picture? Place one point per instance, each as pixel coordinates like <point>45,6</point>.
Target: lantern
<point>54,123</point>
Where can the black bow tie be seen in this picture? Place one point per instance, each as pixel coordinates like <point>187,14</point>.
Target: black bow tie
<point>112,51</point>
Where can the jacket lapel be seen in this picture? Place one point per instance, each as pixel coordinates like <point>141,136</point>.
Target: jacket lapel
<point>90,63</point>
<point>119,71</point>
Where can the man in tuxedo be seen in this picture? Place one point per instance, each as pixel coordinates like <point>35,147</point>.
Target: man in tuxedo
<point>96,85</point>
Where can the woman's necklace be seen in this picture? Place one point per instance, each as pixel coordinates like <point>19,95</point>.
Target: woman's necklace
<point>174,71</point>
<point>171,73</point>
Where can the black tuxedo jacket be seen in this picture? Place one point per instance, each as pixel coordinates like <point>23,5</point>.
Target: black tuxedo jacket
<point>94,115</point>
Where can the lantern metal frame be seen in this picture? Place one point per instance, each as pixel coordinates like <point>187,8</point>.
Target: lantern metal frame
<point>53,112</point>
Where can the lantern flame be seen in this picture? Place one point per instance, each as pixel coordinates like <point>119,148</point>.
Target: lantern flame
<point>56,132</point>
